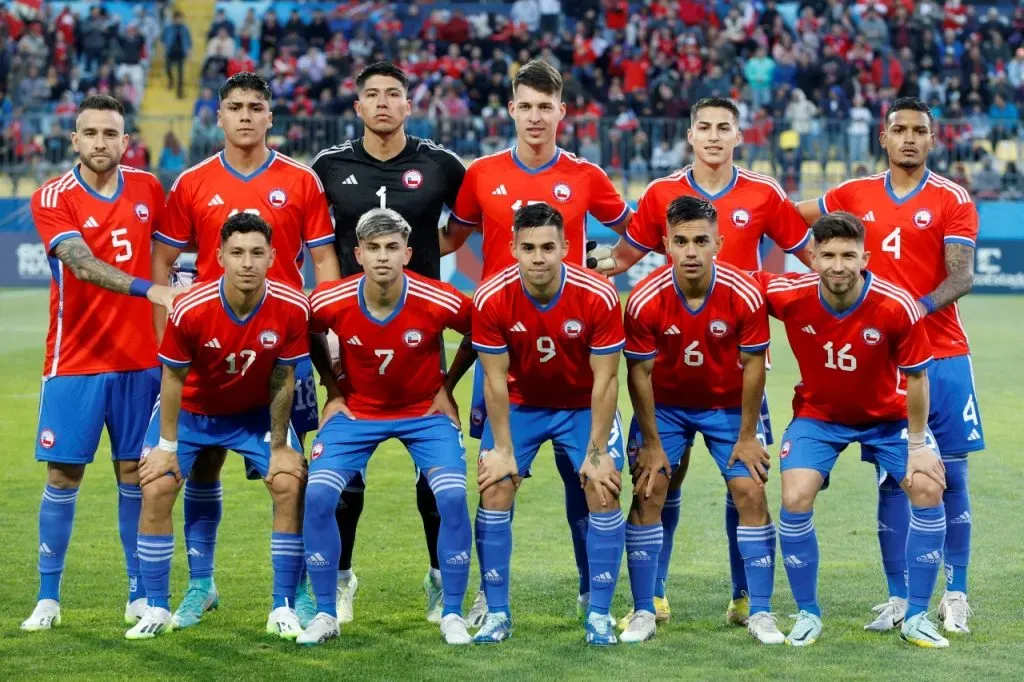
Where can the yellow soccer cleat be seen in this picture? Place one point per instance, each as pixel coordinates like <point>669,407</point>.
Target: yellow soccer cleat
<point>739,611</point>
<point>662,612</point>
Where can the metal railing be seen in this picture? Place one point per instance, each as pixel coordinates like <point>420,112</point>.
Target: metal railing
<point>829,152</point>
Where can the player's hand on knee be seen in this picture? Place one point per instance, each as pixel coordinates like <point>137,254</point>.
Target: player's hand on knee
<point>599,258</point>
<point>286,460</point>
<point>599,469</point>
<point>754,457</point>
<point>163,295</point>
<point>496,465</point>
<point>444,403</point>
<point>157,463</point>
<point>332,407</point>
<point>927,462</point>
<point>651,462</point>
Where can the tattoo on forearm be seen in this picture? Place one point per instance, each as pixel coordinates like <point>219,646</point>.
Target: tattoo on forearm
<point>77,256</point>
<point>281,391</point>
<point>594,454</point>
<point>959,275</point>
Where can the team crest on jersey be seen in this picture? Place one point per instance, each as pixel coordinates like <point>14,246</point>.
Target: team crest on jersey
<point>718,328</point>
<point>784,450</point>
<point>277,197</point>
<point>572,328</point>
<point>47,438</point>
<point>318,449</point>
<point>269,338</point>
<point>562,192</point>
<point>412,178</point>
<point>412,337</point>
<point>871,336</point>
<point>142,212</point>
<point>741,217</point>
<point>922,219</point>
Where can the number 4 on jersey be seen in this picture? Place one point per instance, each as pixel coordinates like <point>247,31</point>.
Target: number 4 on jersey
<point>891,244</point>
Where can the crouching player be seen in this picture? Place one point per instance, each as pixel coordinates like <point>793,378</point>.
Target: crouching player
<point>549,334</point>
<point>389,323</point>
<point>856,338</point>
<point>696,336</point>
<point>229,356</point>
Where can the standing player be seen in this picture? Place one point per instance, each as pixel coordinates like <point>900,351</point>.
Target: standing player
<point>536,170</point>
<point>752,206</point>
<point>549,333</point>
<point>390,324</point>
<point>97,222</point>
<point>386,168</point>
<point>229,356</point>
<point>247,177</point>
<point>921,230</point>
<point>862,358</point>
<point>696,337</point>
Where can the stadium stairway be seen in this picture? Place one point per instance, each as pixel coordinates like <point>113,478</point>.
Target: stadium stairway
<point>161,108</point>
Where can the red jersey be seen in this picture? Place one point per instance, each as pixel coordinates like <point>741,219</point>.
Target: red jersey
<point>284,192</point>
<point>549,346</point>
<point>391,369</point>
<point>750,207</point>
<point>850,362</point>
<point>93,330</point>
<point>230,359</point>
<point>496,186</point>
<point>696,353</point>
<point>907,238</point>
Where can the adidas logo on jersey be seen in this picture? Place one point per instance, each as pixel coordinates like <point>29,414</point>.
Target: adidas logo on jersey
<point>963,518</point>
<point>316,559</point>
<point>933,557</point>
<point>518,327</point>
<point>762,562</point>
<point>974,435</point>
<point>461,559</point>
<point>90,222</point>
<point>793,561</point>
<point>639,555</point>
<point>809,330</point>
<point>354,341</point>
<point>499,191</point>
<point>216,201</point>
<point>868,217</point>
<point>672,331</point>
<point>212,343</point>
<point>44,550</point>
<point>493,577</point>
<point>603,578</point>
<point>350,180</point>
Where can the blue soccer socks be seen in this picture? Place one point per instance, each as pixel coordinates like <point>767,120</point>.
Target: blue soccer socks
<point>669,523</point>
<point>320,535</point>
<point>56,519</point>
<point>924,555</point>
<point>799,545</point>
<point>756,545</point>
<point>643,547</point>
<point>203,509</point>
<point>129,504</point>
<point>893,523</point>
<point>958,525</point>
<point>286,558</point>
<point>155,554</point>
<point>455,539</point>
<point>494,550</point>
<point>736,563</point>
<point>606,539</point>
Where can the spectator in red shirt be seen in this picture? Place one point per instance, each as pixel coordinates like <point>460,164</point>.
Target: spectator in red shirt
<point>954,15</point>
<point>886,71</point>
<point>690,60</point>
<point>616,14</point>
<point>136,155</point>
<point>453,64</point>
<point>240,62</point>
<point>635,68</point>
<point>456,30</point>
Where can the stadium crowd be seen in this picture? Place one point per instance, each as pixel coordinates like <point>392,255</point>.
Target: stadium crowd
<point>811,78</point>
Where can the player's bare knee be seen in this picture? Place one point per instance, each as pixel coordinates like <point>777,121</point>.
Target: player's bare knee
<point>127,471</point>
<point>596,502</point>
<point>751,502</point>
<point>925,492</point>
<point>499,497</point>
<point>208,465</point>
<point>798,500</point>
<point>158,497</point>
<point>64,476</point>
<point>285,489</point>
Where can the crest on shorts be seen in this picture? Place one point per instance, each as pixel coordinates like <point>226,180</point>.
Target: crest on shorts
<point>922,219</point>
<point>318,449</point>
<point>632,448</point>
<point>145,452</point>
<point>142,212</point>
<point>47,438</point>
<point>476,416</point>
<point>562,192</point>
<point>412,178</point>
<point>784,450</point>
<point>741,217</point>
<point>718,328</point>
<point>412,337</point>
<point>277,197</point>
<point>572,328</point>
<point>871,336</point>
<point>269,338</point>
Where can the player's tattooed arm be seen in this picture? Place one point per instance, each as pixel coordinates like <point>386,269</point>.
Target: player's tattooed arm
<point>282,390</point>
<point>959,277</point>
<point>79,259</point>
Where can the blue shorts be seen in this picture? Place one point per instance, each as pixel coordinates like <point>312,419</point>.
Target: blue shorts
<point>678,426</point>
<point>955,417</point>
<point>815,444</point>
<point>347,444</point>
<point>568,430</point>
<point>305,412</point>
<point>477,407</point>
<point>74,409</point>
<point>247,433</point>
<point>766,421</point>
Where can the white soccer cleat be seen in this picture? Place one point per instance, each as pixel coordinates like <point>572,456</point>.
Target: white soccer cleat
<point>454,631</point>
<point>476,615</point>
<point>806,630</point>
<point>923,633</point>
<point>155,621</point>
<point>284,623</point>
<point>642,627</point>
<point>45,616</point>
<point>134,610</point>
<point>435,598</point>
<point>583,609</point>
<point>954,612</point>
<point>321,629</point>
<point>764,627</point>
<point>890,615</point>
<point>346,595</point>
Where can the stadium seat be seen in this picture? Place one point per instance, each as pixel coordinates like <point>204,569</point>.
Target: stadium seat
<point>1006,151</point>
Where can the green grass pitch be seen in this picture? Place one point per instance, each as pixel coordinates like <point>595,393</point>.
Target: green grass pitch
<point>391,639</point>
